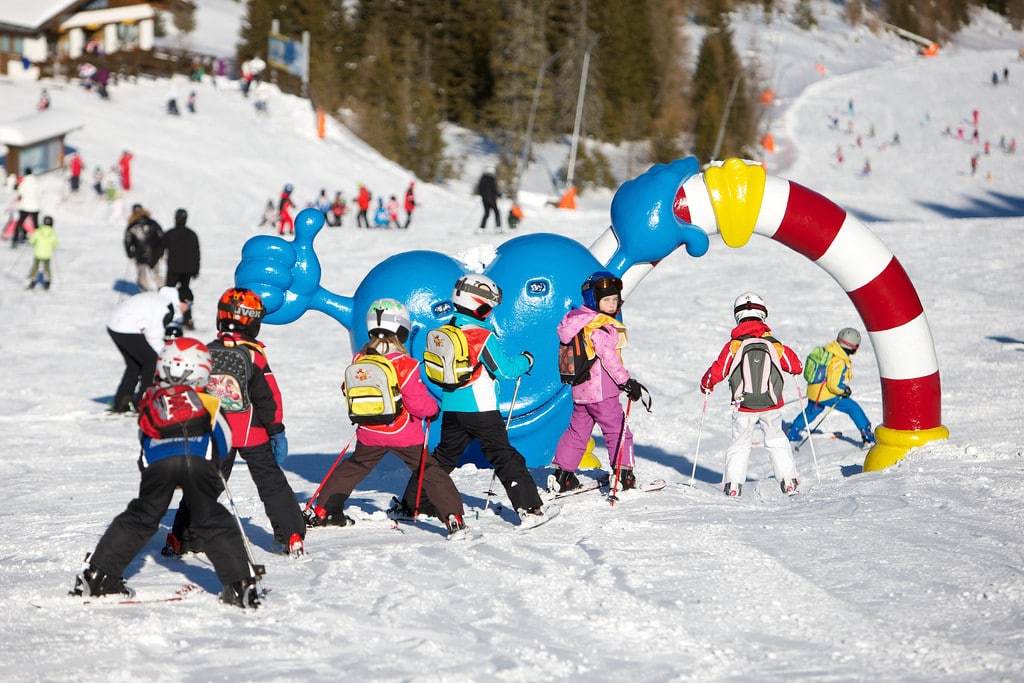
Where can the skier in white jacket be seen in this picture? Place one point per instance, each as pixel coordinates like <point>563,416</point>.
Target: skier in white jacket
<point>30,199</point>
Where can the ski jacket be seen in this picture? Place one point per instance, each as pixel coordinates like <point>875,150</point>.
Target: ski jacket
<point>30,195</point>
<point>722,367</point>
<point>417,403</point>
<point>285,204</point>
<point>263,417</point>
<point>363,200</point>
<point>43,241</point>
<point>481,392</point>
<point>148,314</point>
<point>144,239</point>
<point>182,246</point>
<point>838,374</point>
<point>487,188</point>
<point>76,166</point>
<point>606,336</point>
<point>410,201</point>
<point>213,445</point>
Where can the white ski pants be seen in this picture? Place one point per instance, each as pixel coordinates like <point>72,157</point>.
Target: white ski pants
<point>737,457</point>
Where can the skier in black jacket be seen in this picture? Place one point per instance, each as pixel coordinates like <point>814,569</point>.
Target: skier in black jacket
<point>487,188</point>
<point>182,246</point>
<point>144,244</point>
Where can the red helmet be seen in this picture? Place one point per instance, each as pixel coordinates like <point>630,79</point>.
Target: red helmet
<point>240,310</point>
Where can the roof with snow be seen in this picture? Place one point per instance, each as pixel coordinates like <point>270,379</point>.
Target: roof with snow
<point>32,14</point>
<point>44,125</point>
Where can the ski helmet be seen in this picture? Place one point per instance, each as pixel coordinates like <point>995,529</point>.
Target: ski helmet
<point>172,332</point>
<point>180,218</point>
<point>749,305</point>
<point>476,295</point>
<point>598,286</point>
<point>849,339</point>
<point>184,361</point>
<point>288,188</point>
<point>47,220</point>
<point>388,316</point>
<point>240,310</point>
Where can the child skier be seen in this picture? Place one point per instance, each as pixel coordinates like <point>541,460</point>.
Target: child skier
<point>285,222</point>
<point>393,212</point>
<point>597,399</point>
<point>381,217</point>
<point>338,208</point>
<point>44,242</point>
<point>177,405</point>
<point>388,324</point>
<point>757,396</point>
<point>471,411</point>
<point>834,390</point>
<point>243,381</point>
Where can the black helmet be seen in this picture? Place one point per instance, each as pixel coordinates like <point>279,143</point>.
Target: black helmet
<point>47,220</point>
<point>180,218</point>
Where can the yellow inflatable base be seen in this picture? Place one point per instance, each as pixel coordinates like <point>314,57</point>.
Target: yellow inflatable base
<point>893,444</point>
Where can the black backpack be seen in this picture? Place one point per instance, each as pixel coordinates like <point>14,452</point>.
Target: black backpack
<point>573,363</point>
<point>756,377</point>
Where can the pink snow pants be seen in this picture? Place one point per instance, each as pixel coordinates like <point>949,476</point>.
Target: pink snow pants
<point>608,415</point>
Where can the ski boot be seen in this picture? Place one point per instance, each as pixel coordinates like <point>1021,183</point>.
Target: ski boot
<point>93,582</point>
<point>789,486</point>
<point>732,489</point>
<point>627,480</point>
<point>241,594</point>
<point>867,437</point>
<point>456,527</point>
<point>562,481</point>
<point>317,516</point>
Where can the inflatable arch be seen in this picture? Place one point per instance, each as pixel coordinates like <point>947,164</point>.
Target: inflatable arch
<point>738,199</point>
<point>652,215</point>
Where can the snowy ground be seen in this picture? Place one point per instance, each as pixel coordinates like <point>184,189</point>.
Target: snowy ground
<point>913,573</point>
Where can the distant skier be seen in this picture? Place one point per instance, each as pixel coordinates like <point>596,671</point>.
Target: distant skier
<point>410,204</point>
<point>285,222</point>
<point>363,202</point>
<point>487,188</point>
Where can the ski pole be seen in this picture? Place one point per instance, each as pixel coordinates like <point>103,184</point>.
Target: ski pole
<point>329,473</point>
<point>700,431</point>
<point>618,453</point>
<point>423,464</point>
<point>256,571</point>
<point>508,421</point>
<point>814,455</point>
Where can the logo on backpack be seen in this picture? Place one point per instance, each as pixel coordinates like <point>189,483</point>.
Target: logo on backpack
<point>756,377</point>
<point>816,365</point>
<point>446,357</point>
<point>372,391</point>
<point>173,412</point>
<point>574,363</point>
<point>229,378</point>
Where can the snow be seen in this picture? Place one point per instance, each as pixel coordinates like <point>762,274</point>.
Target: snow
<point>912,573</point>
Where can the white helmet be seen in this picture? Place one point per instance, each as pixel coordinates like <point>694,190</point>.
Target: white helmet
<point>849,339</point>
<point>749,305</point>
<point>476,294</point>
<point>184,361</point>
<point>388,315</point>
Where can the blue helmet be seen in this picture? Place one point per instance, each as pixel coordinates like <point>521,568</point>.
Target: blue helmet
<point>598,286</point>
<point>288,188</point>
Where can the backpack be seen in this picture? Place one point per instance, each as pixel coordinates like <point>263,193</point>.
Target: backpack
<point>446,357</point>
<point>173,412</point>
<point>756,378</point>
<point>573,362</point>
<point>229,378</point>
<point>373,394</point>
<point>816,365</point>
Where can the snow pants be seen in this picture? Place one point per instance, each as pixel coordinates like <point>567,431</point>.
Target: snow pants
<point>843,405</point>
<point>489,208</point>
<point>458,430</point>
<point>139,367</point>
<point>212,523</point>
<point>437,485</point>
<point>609,416</point>
<point>737,457</point>
<point>279,501</point>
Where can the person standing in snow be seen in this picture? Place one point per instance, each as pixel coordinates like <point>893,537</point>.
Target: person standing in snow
<point>30,200</point>
<point>363,202</point>
<point>596,401</point>
<point>285,222</point>
<point>44,243</point>
<point>75,167</point>
<point>323,205</point>
<point>124,165</point>
<point>764,409</point>
<point>487,188</point>
<point>393,212</point>
<point>470,412</point>
<point>388,324</point>
<point>834,390</point>
<point>251,400</point>
<point>410,204</point>
<point>338,208</point>
<point>136,326</point>
<point>144,244</point>
<point>188,461</point>
<point>381,217</point>
<point>182,246</point>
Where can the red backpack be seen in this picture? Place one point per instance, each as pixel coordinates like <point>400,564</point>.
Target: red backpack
<point>171,412</point>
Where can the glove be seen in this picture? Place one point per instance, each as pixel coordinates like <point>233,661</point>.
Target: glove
<point>705,389</point>
<point>846,392</point>
<point>279,446</point>
<point>529,357</point>
<point>632,389</point>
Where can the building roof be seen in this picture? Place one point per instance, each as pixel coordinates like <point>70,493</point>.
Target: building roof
<point>32,14</point>
<point>44,125</point>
